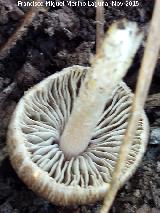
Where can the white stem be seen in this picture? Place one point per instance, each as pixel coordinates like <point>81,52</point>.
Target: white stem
<point>108,68</point>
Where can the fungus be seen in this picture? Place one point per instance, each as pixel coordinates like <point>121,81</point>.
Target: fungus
<point>65,134</point>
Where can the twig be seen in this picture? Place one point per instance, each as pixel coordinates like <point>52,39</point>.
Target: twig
<point>27,20</point>
<point>143,84</point>
<point>99,23</point>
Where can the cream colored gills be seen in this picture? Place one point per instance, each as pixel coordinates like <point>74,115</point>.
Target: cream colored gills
<point>43,118</point>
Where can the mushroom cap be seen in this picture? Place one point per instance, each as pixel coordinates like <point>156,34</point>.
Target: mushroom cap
<point>34,133</point>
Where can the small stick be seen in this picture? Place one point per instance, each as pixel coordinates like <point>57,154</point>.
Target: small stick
<point>27,20</point>
<point>99,23</point>
<point>143,84</point>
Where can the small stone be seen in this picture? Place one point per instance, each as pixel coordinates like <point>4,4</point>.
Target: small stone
<point>145,208</point>
<point>155,136</point>
<point>158,167</point>
<point>128,186</point>
<point>28,76</point>
<point>137,193</point>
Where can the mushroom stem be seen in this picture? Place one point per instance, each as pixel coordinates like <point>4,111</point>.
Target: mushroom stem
<point>142,88</point>
<point>108,68</point>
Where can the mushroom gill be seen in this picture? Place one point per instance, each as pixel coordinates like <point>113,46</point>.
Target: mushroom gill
<point>65,134</point>
<point>39,121</point>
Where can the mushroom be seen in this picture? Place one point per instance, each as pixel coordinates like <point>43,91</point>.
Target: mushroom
<point>41,121</point>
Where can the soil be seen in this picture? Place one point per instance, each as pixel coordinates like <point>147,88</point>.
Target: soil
<point>60,37</point>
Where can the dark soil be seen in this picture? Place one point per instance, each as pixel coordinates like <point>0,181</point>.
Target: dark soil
<point>60,37</point>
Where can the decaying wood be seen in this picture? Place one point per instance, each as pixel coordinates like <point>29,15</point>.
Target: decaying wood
<point>143,84</point>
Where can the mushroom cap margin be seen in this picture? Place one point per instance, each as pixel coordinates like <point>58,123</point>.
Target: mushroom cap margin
<point>44,185</point>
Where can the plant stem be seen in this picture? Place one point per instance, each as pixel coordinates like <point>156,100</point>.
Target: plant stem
<point>143,84</point>
<point>108,68</point>
<point>27,20</point>
<point>99,23</point>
